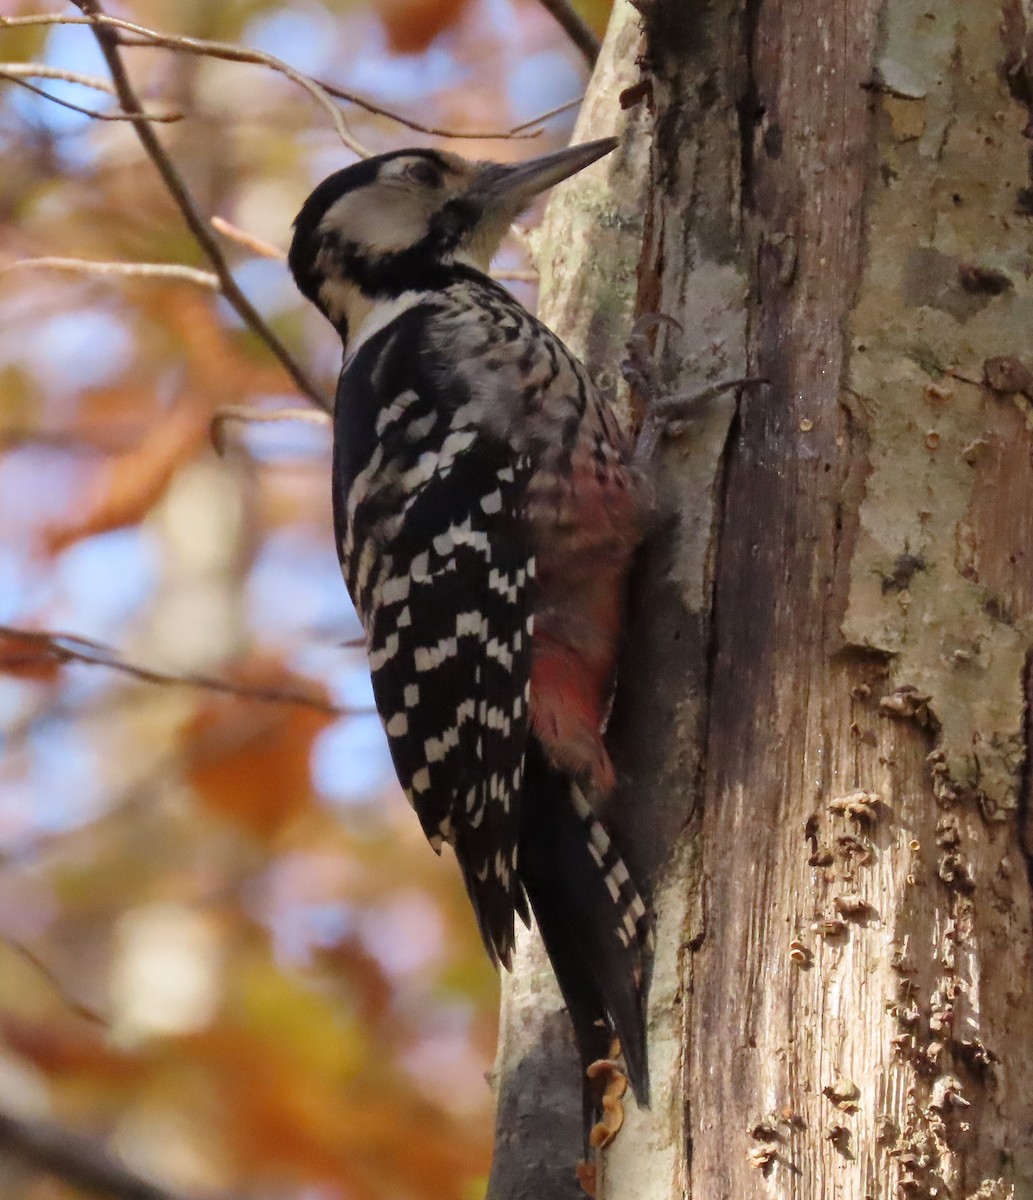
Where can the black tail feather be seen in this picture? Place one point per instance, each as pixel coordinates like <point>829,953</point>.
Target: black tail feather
<point>494,905</point>
<point>591,919</point>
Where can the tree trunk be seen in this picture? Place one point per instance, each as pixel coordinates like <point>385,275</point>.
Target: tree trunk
<point>821,713</point>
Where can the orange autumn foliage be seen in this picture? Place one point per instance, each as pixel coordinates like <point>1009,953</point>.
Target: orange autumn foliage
<point>251,764</point>
<point>370,1133</point>
<point>69,1050</point>
<point>130,484</point>
<point>411,25</point>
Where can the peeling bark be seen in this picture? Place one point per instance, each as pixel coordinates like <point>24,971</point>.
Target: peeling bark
<point>822,724</point>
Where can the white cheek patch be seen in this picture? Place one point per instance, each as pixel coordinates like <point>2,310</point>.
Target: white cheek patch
<point>379,220</point>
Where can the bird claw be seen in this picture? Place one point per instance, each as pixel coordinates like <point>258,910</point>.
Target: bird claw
<point>610,1078</point>
<point>640,369</point>
<point>672,416</point>
<point>667,415</point>
<point>586,1176</point>
<point>675,409</point>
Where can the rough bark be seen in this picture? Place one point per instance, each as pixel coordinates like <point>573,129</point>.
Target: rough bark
<point>822,716</point>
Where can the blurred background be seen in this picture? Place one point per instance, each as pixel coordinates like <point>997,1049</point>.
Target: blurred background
<point>225,946</point>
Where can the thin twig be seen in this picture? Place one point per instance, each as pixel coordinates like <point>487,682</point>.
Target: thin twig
<point>13,438</point>
<point>546,116</point>
<point>81,1161</point>
<point>196,223</point>
<point>41,646</point>
<point>85,266</point>
<point>575,28</point>
<point>95,113</point>
<point>512,275</point>
<point>74,1006</point>
<point>527,129</point>
<point>95,16</point>
<point>33,70</point>
<point>518,133</point>
<point>257,245</point>
<point>247,415</point>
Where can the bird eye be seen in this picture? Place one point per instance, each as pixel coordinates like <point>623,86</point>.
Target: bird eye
<point>423,172</point>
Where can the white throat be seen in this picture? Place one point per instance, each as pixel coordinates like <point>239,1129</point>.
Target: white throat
<point>377,315</point>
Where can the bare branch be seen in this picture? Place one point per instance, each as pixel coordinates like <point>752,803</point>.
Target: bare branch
<point>526,129</point>
<point>519,132</point>
<point>545,116</point>
<point>84,266</point>
<point>83,1162</point>
<point>45,71</point>
<point>67,999</point>
<point>33,647</point>
<point>95,113</point>
<point>257,245</point>
<point>108,41</point>
<point>67,443</point>
<point>95,16</point>
<point>258,416</point>
<point>575,28</point>
<point>512,275</point>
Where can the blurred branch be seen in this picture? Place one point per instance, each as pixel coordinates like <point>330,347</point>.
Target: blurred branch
<point>247,415</point>
<point>19,77</point>
<point>512,275</point>
<point>84,266</point>
<point>255,244</point>
<point>31,70</point>
<point>97,18</point>
<point>314,86</point>
<point>74,1006</point>
<point>109,440</point>
<point>545,116</point>
<point>575,27</point>
<point>80,1161</point>
<point>33,647</point>
<point>517,133</point>
<point>198,226</point>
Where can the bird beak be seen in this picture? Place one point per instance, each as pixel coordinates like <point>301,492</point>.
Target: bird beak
<point>510,188</point>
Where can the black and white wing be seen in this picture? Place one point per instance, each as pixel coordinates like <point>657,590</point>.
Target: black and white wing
<point>428,515</point>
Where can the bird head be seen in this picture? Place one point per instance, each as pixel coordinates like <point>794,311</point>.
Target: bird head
<point>410,220</point>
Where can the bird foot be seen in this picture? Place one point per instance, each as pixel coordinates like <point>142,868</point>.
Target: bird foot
<point>609,1077</point>
<point>667,415</point>
<point>641,369</point>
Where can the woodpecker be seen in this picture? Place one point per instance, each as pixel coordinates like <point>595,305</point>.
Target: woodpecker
<point>486,512</point>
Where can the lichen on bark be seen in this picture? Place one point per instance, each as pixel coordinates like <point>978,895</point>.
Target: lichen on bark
<point>940,576</point>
